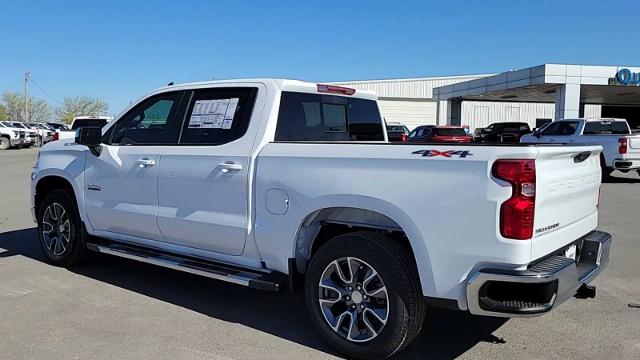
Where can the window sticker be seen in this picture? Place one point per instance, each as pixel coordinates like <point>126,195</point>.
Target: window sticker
<point>213,114</point>
<point>231,111</point>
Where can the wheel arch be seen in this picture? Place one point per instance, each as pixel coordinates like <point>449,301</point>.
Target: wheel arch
<point>49,183</point>
<point>322,224</point>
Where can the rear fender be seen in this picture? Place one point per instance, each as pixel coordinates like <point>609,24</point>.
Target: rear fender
<point>372,213</point>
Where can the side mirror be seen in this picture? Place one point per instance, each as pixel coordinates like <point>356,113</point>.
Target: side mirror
<point>536,133</point>
<point>89,136</point>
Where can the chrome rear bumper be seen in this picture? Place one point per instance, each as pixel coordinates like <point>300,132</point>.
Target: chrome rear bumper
<point>543,286</point>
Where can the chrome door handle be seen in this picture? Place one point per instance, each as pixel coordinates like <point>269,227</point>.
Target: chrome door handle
<point>145,162</point>
<point>230,166</point>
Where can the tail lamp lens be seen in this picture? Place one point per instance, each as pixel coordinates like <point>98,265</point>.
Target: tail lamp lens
<point>516,214</point>
<point>623,145</point>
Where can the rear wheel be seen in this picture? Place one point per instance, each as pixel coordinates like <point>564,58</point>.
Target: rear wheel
<point>60,230</point>
<point>606,171</point>
<point>364,295</point>
<point>4,143</point>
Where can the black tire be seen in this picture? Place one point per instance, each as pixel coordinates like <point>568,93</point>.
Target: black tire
<point>606,171</point>
<point>406,304</point>
<point>75,247</point>
<point>4,143</point>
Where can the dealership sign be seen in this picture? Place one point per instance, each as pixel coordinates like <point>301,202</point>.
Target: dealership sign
<point>625,77</point>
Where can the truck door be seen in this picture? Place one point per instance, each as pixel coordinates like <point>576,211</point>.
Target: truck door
<point>204,182</point>
<point>121,182</point>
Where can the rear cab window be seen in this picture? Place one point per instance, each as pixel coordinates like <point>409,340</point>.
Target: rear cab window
<point>606,128</point>
<point>316,117</point>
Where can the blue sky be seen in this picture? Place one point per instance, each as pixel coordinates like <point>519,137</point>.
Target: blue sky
<point>119,50</point>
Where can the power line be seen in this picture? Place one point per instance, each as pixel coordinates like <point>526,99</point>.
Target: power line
<point>44,91</point>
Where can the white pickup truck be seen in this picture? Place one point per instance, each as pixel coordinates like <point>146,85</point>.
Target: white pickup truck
<point>277,184</point>
<point>621,150</point>
<point>78,122</point>
<point>11,136</point>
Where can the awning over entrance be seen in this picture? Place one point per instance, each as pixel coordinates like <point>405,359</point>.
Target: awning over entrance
<point>568,86</point>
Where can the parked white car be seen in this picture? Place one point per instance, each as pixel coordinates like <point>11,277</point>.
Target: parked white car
<point>273,183</point>
<point>11,136</point>
<point>78,122</point>
<point>621,150</point>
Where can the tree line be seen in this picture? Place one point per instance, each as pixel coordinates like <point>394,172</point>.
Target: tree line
<point>12,108</point>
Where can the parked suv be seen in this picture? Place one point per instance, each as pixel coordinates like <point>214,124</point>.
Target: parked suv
<point>502,132</point>
<point>281,184</point>
<point>439,134</point>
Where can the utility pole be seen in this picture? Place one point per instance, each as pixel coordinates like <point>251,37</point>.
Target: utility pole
<point>26,96</point>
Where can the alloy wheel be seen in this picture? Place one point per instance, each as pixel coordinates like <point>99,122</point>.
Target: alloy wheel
<point>56,229</point>
<point>353,299</point>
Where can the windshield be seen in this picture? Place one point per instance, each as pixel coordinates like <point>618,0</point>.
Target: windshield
<point>560,128</point>
<point>450,132</point>
<point>78,123</point>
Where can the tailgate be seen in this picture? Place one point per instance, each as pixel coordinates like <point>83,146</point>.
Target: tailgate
<point>634,146</point>
<point>567,190</point>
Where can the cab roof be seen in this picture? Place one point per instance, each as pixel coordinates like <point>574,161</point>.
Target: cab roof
<point>281,84</point>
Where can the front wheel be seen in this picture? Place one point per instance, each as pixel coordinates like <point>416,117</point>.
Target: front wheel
<point>60,231</point>
<point>364,295</point>
<point>4,143</point>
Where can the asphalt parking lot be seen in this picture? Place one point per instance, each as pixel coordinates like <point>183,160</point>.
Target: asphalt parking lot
<point>111,308</point>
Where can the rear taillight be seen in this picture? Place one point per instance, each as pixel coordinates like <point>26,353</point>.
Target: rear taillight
<point>56,136</point>
<point>623,145</point>
<point>516,214</point>
<point>404,137</point>
<point>333,89</point>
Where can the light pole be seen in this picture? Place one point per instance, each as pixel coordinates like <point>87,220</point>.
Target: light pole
<point>26,96</point>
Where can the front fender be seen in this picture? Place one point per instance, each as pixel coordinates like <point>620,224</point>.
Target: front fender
<point>64,163</point>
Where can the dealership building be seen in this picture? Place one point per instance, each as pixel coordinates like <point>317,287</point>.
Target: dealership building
<point>534,95</point>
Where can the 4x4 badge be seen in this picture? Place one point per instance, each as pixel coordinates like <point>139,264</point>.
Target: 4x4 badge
<point>446,153</point>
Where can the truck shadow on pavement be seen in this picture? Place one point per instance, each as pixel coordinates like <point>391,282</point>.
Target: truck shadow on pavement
<point>628,179</point>
<point>445,335</point>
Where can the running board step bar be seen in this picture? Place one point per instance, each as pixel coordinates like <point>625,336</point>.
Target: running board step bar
<point>272,281</point>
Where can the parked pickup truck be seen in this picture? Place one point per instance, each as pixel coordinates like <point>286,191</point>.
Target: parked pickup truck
<point>11,136</point>
<point>502,132</point>
<point>621,150</point>
<point>276,184</point>
<point>78,122</point>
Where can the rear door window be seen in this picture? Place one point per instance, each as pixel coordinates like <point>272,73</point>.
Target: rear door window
<point>315,117</point>
<point>218,116</point>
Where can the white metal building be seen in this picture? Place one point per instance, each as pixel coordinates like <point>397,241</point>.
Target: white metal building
<point>534,95</point>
